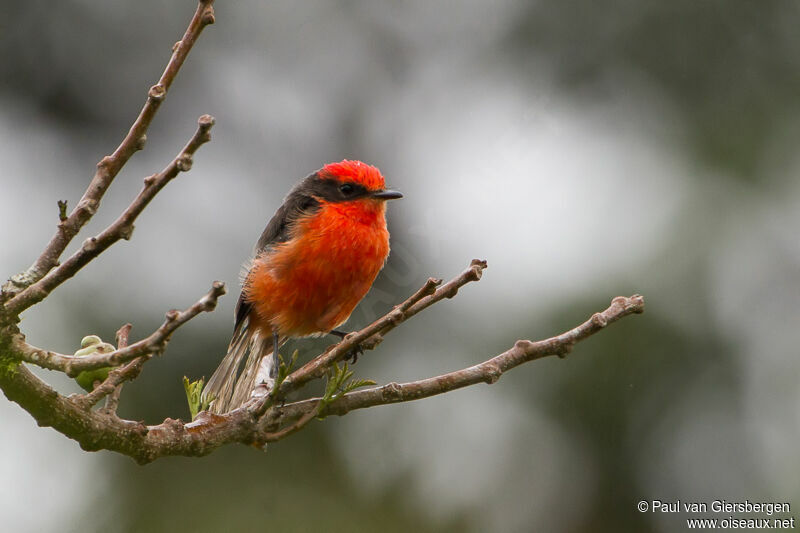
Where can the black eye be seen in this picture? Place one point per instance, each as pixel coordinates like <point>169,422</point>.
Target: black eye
<point>347,189</point>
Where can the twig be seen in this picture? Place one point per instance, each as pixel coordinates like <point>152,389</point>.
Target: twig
<point>372,335</point>
<point>426,290</point>
<point>264,437</point>
<point>109,166</point>
<point>122,228</point>
<point>155,343</point>
<point>487,372</point>
<point>112,401</point>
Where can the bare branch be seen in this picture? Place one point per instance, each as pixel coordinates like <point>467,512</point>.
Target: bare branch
<point>109,166</point>
<point>112,401</point>
<point>487,372</point>
<point>122,228</point>
<point>426,290</point>
<point>260,420</point>
<point>262,437</point>
<point>369,337</point>
<point>154,344</point>
<point>104,430</point>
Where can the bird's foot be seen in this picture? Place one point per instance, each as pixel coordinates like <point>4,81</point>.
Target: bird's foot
<point>353,354</point>
<point>355,351</point>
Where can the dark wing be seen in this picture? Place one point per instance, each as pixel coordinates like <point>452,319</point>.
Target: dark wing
<point>300,200</point>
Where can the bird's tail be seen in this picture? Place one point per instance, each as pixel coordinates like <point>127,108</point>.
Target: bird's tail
<point>228,388</point>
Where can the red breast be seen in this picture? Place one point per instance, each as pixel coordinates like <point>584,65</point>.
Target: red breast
<point>311,283</point>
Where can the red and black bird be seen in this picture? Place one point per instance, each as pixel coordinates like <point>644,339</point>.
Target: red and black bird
<point>314,262</point>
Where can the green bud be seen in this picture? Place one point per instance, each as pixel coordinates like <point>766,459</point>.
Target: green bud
<point>92,344</point>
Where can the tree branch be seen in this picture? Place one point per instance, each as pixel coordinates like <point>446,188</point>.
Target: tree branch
<point>488,371</point>
<point>122,228</point>
<point>109,166</point>
<point>112,401</point>
<point>312,411</point>
<point>73,365</point>
<point>104,430</point>
<point>372,335</point>
<point>260,420</point>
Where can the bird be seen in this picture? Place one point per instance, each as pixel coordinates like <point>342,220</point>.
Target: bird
<point>316,259</point>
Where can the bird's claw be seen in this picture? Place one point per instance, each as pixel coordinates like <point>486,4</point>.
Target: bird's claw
<point>353,354</point>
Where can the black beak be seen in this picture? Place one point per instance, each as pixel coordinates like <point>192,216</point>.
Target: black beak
<point>387,194</point>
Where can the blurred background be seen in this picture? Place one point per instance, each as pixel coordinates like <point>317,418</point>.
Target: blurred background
<point>585,149</point>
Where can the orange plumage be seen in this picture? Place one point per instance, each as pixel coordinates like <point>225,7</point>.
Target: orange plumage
<point>316,260</point>
<point>310,284</point>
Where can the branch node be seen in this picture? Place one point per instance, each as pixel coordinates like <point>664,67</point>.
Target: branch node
<point>149,180</point>
<point>492,373</point>
<point>396,316</point>
<point>176,46</point>
<point>476,269</point>
<point>206,121</point>
<point>172,315</point>
<point>140,142</point>
<point>89,206</point>
<point>104,164</point>
<point>523,345</point>
<point>638,302</point>
<point>184,163</point>
<point>392,392</point>
<point>210,300</point>
<point>126,232</point>
<point>90,244</point>
<point>208,16</point>
<point>372,342</point>
<point>175,425</point>
<point>157,93</point>
<point>562,350</point>
<point>599,320</point>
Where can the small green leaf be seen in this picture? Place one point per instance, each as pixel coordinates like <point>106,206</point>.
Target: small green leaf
<point>194,391</point>
<point>88,378</point>
<point>337,384</point>
<point>92,344</point>
<point>357,384</point>
<point>284,369</point>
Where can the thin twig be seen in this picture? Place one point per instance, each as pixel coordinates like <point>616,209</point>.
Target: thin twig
<point>122,228</point>
<point>109,166</point>
<point>155,343</point>
<point>371,336</point>
<point>488,371</point>
<point>264,437</point>
<point>426,290</point>
<point>112,401</point>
